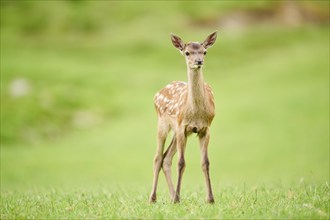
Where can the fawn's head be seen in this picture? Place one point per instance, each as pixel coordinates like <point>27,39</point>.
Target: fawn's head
<point>194,52</point>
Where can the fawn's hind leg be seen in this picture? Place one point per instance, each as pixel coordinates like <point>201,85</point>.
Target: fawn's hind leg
<point>158,159</point>
<point>167,163</point>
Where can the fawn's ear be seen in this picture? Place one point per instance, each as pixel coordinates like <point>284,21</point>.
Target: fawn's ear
<point>210,40</point>
<point>177,42</point>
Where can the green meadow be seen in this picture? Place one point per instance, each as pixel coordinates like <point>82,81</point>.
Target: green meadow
<point>78,125</point>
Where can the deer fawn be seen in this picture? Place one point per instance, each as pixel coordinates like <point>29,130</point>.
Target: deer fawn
<point>185,108</point>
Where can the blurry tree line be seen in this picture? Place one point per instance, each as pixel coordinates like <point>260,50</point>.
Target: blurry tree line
<point>36,17</point>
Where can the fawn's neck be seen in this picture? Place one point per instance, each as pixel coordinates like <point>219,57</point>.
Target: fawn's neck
<point>195,88</point>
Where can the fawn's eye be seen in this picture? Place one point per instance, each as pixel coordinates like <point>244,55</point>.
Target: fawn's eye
<point>204,52</point>
<point>187,53</point>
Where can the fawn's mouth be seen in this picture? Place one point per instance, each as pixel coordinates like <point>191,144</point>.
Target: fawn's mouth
<point>198,66</point>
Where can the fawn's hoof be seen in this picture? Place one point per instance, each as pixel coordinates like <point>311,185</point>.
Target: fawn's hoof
<point>210,200</point>
<point>152,199</point>
<point>176,199</point>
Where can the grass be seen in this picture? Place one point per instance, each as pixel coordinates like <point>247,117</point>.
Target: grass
<point>301,201</point>
<point>79,142</point>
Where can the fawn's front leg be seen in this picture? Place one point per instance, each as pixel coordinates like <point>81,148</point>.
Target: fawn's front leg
<point>204,138</point>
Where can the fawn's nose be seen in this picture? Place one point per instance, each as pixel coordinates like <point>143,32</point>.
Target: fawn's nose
<point>199,62</point>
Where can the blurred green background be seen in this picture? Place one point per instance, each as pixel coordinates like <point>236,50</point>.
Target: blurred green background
<point>78,79</point>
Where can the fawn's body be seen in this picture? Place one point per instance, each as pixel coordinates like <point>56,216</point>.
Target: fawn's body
<point>184,108</point>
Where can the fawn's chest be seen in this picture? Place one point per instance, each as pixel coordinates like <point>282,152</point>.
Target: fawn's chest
<point>197,117</point>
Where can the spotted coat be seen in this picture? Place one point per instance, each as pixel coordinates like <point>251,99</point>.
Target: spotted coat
<point>171,98</point>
